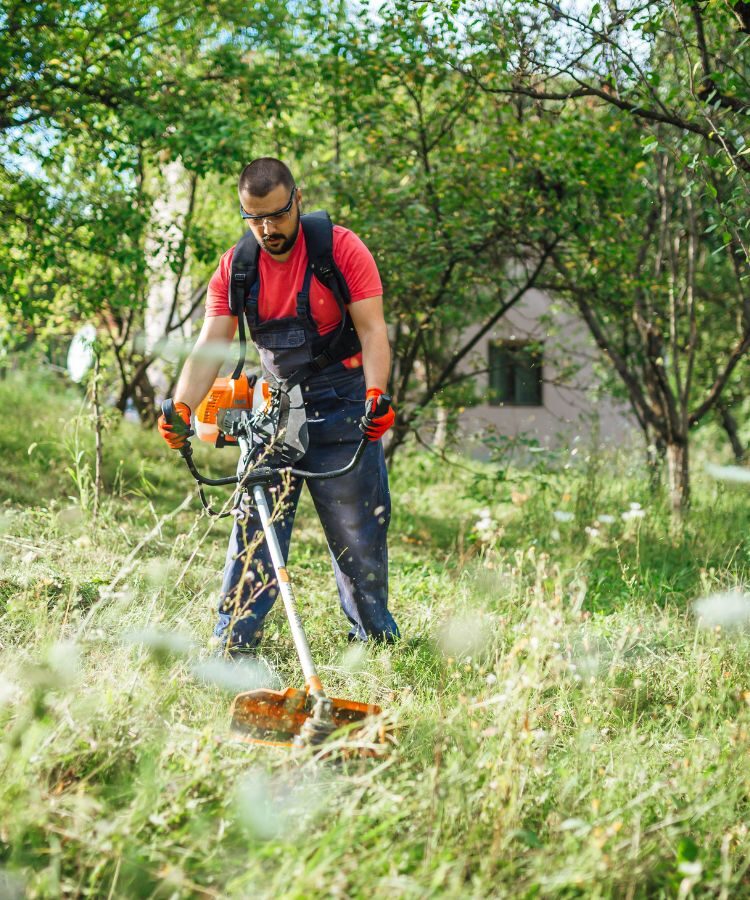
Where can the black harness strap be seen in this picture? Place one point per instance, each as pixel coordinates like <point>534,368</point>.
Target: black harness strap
<point>243,277</point>
<point>318,230</point>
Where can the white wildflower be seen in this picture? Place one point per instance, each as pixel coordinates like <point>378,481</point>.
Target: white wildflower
<point>561,515</point>
<point>64,658</point>
<point>739,474</point>
<point>354,658</point>
<point>278,807</point>
<point>261,808</point>
<point>236,676</point>
<point>485,526</point>
<point>158,641</point>
<point>728,609</point>
<point>691,870</point>
<point>462,636</point>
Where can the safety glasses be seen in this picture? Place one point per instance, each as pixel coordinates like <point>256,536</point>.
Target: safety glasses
<point>277,216</point>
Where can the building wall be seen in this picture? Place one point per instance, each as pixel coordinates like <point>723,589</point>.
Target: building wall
<point>572,403</point>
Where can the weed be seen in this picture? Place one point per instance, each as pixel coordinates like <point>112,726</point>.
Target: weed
<point>562,725</point>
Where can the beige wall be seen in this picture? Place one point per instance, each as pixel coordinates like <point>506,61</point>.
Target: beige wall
<point>571,404</point>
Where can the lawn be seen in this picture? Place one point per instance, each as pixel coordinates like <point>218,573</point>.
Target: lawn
<point>563,724</point>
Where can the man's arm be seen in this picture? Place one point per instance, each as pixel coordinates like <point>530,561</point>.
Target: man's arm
<point>368,319</point>
<point>205,360</point>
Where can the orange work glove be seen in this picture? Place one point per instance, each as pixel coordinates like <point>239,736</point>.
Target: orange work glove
<point>379,414</point>
<point>176,432</point>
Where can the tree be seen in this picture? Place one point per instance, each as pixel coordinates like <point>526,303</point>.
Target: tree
<point>679,68</point>
<point>655,259</point>
<point>429,172</point>
<point>97,100</point>
<point>664,305</point>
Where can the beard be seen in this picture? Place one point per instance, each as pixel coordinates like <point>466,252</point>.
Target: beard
<point>284,244</point>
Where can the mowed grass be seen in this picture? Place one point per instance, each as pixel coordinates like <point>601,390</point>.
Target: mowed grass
<point>561,725</point>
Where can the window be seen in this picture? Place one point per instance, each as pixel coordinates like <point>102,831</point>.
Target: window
<point>515,373</point>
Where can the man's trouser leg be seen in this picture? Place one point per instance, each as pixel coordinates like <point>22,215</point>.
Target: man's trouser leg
<point>249,586</point>
<point>354,509</point>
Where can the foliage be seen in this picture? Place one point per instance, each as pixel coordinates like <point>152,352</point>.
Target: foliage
<point>680,69</point>
<point>430,173</point>
<point>480,150</point>
<point>655,255</point>
<point>93,116</point>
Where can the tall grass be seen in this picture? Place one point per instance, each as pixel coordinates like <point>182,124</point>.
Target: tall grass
<point>562,724</point>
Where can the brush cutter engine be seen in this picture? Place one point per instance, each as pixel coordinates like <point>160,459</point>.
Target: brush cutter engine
<point>274,431</point>
<point>266,420</point>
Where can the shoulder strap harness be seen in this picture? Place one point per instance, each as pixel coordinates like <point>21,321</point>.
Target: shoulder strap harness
<point>318,230</point>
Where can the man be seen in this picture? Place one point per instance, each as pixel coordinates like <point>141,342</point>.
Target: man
<point>292,316</point>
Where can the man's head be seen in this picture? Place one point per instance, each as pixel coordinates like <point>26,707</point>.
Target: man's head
<point>270,203</point>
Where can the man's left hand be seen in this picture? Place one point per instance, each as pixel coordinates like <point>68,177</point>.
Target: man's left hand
<point>379,414</point>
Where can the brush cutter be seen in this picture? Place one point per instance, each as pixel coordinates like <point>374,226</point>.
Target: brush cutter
<point>269,423</point>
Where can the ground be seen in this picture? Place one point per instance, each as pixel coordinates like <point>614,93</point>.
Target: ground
<point>563,723</point>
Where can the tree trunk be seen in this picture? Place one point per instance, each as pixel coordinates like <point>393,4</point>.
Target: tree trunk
<point>655,454</point>
<point>440,437</point>
<point>97,433</point>
<point>679,477</point>
<point>144,397</point>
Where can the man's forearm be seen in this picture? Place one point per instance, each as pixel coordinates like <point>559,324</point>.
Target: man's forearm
<point>376,358</point>
<point>203,364</point>
<point>196,378</point>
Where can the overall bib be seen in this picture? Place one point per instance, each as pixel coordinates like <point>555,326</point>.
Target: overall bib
<point>354,509</point>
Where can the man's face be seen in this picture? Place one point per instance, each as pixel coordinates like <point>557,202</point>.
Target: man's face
<point>277,228</point>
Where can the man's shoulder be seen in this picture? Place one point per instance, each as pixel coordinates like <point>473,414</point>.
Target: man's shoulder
<point>341,233</point>
<point>347,242</point>
<point>356,263</point>
<point>227,255</point>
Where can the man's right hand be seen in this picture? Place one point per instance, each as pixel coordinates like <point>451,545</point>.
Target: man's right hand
<point>176,432</point>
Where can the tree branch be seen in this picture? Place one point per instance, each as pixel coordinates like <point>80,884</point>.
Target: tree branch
<point>645,411</point>
<point>714,393</point>
<point>494,318</point>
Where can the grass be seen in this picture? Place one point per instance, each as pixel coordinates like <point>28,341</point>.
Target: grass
<point>563,728</point>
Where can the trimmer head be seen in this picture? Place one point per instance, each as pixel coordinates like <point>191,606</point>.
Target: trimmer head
<point>288,718</point>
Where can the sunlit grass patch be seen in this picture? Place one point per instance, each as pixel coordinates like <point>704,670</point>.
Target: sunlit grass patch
<point>570,715</point>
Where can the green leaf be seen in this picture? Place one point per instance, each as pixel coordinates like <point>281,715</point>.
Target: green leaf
<point>687,850</point>
<point>528,837</point>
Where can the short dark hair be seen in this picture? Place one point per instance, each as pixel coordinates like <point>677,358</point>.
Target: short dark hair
<point>262,175</point>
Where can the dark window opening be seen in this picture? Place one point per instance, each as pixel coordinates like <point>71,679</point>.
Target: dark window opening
<point>515,373</point>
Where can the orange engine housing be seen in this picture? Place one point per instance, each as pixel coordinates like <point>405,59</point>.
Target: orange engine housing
<point>225,393</point>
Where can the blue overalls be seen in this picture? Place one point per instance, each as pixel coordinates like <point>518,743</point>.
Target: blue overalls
<point>353,509</point>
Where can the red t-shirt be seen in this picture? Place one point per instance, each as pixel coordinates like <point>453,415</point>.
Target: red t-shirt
<point>280,282</point>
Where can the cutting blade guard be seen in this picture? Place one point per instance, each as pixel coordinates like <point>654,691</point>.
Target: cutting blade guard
<point>286,718</point>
